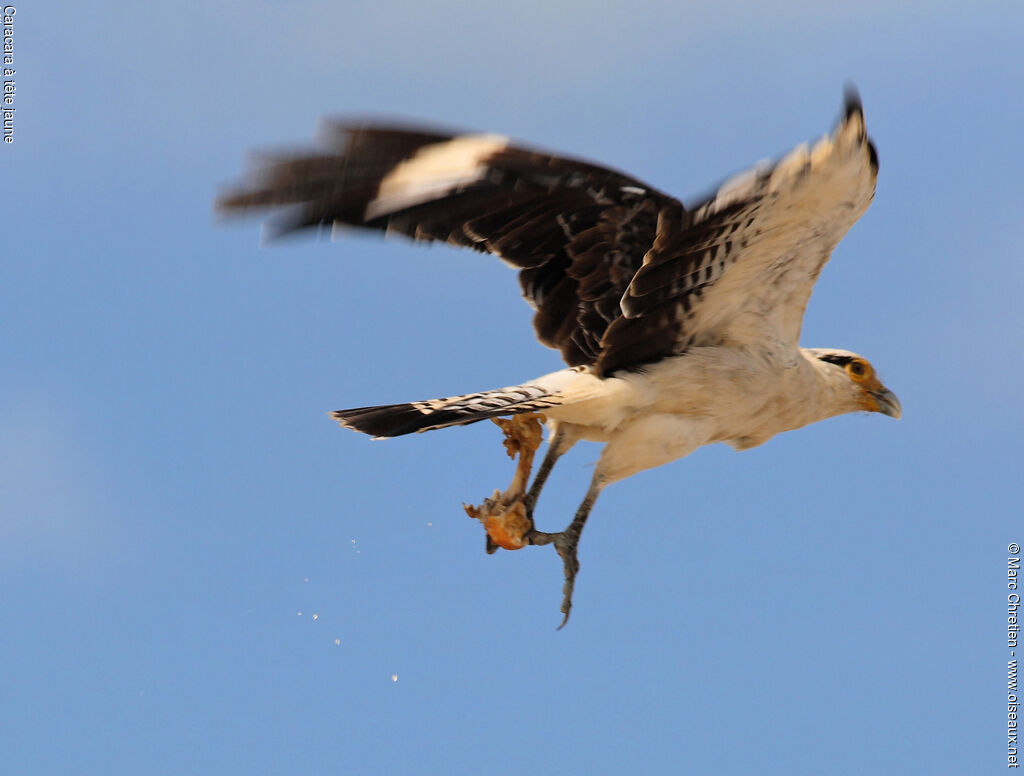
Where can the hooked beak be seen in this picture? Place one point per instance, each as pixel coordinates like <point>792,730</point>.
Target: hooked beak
<point>887,403</point>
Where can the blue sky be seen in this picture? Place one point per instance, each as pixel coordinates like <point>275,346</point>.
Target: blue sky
<point>201,574</point>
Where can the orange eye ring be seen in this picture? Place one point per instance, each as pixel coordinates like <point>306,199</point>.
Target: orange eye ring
<point>858,370</point>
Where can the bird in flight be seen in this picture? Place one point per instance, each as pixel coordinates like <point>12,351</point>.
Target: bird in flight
<point>680,326</point>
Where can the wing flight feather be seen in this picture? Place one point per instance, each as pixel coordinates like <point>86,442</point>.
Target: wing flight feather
<point>619,274</point>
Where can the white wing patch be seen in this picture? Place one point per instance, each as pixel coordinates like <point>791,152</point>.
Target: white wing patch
<point>434,172</point>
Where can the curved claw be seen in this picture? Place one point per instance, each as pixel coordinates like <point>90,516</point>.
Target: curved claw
<point>566,543</point>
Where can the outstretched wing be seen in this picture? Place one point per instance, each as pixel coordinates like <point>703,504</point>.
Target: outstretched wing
<point>619,273</point>
<point>576,231</point>
<point>742,271</point>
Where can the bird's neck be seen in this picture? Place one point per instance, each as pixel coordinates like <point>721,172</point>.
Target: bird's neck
<point>830,392</point>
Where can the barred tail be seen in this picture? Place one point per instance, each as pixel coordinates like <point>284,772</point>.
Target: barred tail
<point>391,420</point>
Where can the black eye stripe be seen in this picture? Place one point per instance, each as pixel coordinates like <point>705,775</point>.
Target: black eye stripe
<point>837,360</point>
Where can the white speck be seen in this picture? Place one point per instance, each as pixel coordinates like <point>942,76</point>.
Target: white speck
<point>394,677</point>
<point>429,523</point>
<point>316,616</point>
<point>353,541</point>
<point>306,579</point>
<point>299,614</point>
<point>337,642</point>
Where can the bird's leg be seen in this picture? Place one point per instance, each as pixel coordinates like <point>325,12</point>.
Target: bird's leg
<point>559,443</point>
<point>567,541</point>
<point>507,515</point>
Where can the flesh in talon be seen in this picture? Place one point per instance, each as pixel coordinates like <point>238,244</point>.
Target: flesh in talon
<point>506,523</point>
<point>504,515</point>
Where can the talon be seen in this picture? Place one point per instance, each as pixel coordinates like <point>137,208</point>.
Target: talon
<point>507,516</point>
<point>566,545</point>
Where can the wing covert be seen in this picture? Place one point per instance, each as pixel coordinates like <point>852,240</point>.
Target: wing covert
<point>743,270</point>
<point>618,273</point>
<point>577,231</point>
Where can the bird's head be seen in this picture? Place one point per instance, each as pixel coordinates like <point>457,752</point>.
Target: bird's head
<point>855,382</point>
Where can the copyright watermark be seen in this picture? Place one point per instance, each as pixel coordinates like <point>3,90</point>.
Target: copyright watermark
<point>10,88</point>
<point>1013,582</point>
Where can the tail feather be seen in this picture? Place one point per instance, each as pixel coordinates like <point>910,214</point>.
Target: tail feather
<point>391,420</point>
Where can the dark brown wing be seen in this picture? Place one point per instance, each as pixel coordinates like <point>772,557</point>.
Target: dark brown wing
<point>619,274</point>
<point>577,232</point>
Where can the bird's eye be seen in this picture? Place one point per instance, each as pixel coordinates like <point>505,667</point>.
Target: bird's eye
<point>857,369</point>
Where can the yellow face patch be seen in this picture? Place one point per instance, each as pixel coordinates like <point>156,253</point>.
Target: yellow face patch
<point>863,374</point>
